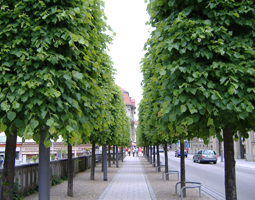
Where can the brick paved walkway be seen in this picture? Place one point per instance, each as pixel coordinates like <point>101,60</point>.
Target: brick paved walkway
<point>129,183</point>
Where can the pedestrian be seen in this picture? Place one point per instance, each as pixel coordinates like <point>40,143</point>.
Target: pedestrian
<point>139,151</point>
<point>1,161</point>
<point>134,152</point>
<point>129,151</point>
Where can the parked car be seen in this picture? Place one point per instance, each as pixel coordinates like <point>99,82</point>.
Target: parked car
<point>178,153</point>
<point>205,156</point>
<point>161,149</point>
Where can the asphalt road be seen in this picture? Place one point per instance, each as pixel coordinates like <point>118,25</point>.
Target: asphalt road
<point>212,177</point>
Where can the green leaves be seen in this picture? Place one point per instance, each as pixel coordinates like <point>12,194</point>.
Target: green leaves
<point>210,77</point>
<point>11,115</point>
<point>34,124</point>
<point>47,143</point>
<point>183,108</point>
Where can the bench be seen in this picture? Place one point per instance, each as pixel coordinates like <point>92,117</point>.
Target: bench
<point>195,185</point>
<point>164,174</point>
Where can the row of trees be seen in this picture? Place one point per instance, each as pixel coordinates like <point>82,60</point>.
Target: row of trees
<point>199,75</point>
<point>56,78</point>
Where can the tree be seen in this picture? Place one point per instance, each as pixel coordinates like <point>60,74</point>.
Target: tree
<point>50,55</point>
<point>202,54</point>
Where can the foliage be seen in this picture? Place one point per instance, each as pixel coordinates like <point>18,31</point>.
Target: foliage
<point>16,187</point>
<point>199,73</point>
<point>199,68</point>
<point>52,156</point>
<point>56,180</point>
<point>63,152</point>
<point>34,158</point>
<point>51,55</point>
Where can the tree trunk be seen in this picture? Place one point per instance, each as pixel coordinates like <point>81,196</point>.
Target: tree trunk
<point>154,156</point>
<point>93,161</point>
<point>113,155</point>
<point>44,168</point>
<point>117,156</point>
<point>166,160</point>
<point>109,155</point>
<point>70,171</point>
<point>147,153</point>
<point>122,156</point>
<point>150,154</point>
<point>230,168</point>
<point>9,167</point>
<point>158,158</point>
<point>104,162</point>
<point>182,165</point>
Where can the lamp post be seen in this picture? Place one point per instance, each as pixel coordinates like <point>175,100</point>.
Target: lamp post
<point>195,145</point>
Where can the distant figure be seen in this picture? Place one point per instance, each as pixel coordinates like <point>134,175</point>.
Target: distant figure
<point>136,152</point>
<point>187,150</point>
<point>139,152</point>
<point>129,151</point>
<point>133,152</point>
<point>1,161</point>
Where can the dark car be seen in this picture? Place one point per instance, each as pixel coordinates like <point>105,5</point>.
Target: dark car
<point>178,153</point>
<point>203,156</point>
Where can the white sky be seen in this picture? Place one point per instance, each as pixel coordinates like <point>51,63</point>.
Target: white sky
<point>127,18</point>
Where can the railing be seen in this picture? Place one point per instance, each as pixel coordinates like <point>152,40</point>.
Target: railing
<point>99,156</point>
<point>27,174</point>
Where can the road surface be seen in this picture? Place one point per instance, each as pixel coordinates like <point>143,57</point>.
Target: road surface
<point>212,177</point>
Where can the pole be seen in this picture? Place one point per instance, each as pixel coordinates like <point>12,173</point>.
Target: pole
<point>44,168</point>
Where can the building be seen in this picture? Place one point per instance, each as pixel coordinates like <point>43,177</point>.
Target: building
<point>130,109</point>
<point>25,150</point>
<point>136,124</point>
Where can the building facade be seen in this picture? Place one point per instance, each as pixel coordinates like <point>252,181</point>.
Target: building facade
<point>131,110</point>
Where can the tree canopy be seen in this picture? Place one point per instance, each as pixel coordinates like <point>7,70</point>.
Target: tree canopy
<point>52,55</point>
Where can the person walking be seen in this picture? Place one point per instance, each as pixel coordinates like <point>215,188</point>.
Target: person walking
<point>129,151</point>
<point>1,162</point>
<point>134,152</point>
<point>139,151</point>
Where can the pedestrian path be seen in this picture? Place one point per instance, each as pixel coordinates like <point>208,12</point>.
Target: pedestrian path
<point>129,183</point>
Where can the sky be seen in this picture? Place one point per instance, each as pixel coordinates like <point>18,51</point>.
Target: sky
<point>127,18</point>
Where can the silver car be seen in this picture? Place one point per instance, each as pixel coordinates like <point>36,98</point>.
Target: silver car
<point>205,156</point>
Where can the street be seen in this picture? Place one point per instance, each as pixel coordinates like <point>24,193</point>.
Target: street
<point>212,176</point>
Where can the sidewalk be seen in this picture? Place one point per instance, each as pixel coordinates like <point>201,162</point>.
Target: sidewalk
<point>135,179</point>
<point>129,183</point>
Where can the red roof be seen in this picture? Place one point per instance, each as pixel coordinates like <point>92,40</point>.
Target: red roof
<point>126,99</point>
<point>123,90</point>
